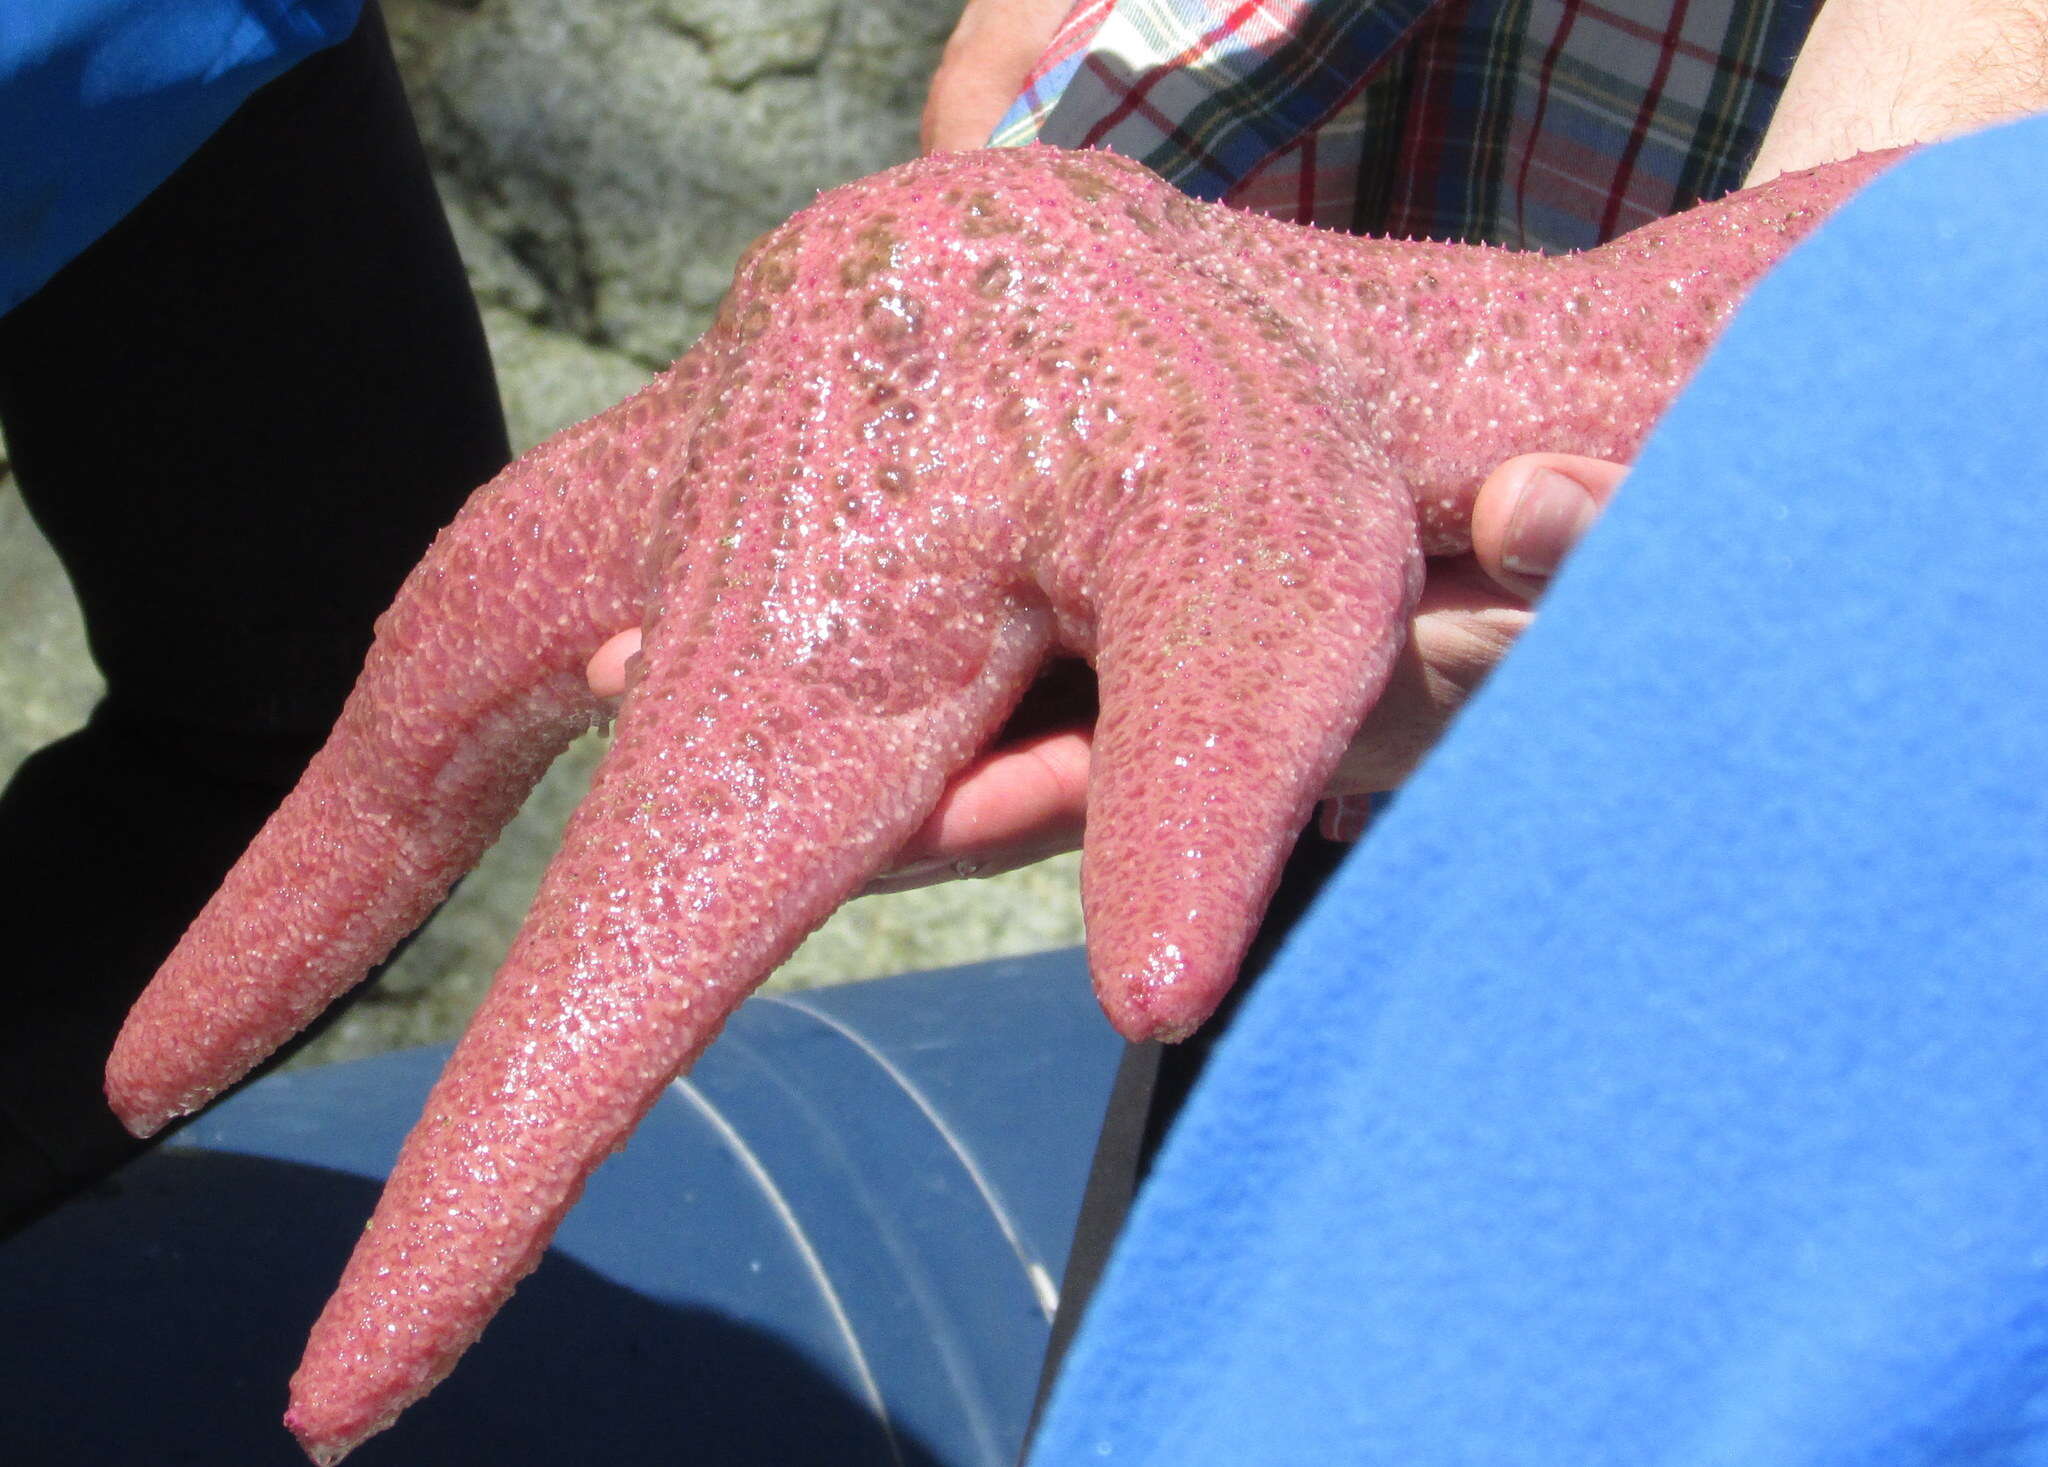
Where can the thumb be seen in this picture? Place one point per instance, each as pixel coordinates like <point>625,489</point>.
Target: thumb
<point>607,669</point>
<point>1532,510</point>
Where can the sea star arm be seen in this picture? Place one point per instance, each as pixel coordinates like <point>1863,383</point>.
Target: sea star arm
<point>708,845</point>
<point>1243,635</point>
<point>472,687</point>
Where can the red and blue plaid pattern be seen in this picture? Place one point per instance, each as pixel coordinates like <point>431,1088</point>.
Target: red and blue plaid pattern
<point>1204,93</point>
<point>1548,124</point>
<point>1025,121</point>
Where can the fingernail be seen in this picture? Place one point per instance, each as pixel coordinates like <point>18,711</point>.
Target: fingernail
<point>922,872</point>
<point>1554,510</point>
<point>1345,817</point>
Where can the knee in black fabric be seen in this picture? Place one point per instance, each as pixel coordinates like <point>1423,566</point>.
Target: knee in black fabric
<point>240,417</point>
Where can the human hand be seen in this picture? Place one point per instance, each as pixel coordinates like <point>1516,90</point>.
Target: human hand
<point>1529,514</point>
<point>1027,798</point>
<point>991,51</point>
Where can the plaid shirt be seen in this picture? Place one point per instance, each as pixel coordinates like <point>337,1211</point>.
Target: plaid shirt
<point>1537,124</point>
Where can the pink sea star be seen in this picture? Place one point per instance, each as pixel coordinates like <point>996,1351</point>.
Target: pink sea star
<point>953,418</point>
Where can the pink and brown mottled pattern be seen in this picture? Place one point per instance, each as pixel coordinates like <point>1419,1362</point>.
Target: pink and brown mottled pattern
<point>953,419</point>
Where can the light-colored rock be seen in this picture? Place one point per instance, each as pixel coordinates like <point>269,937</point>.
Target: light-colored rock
<point>550,379</point>
<point>625,153</point>
<point>745,43</point>
<point>48,683</point>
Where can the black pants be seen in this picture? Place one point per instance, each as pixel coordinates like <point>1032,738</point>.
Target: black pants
<point>239,417</point>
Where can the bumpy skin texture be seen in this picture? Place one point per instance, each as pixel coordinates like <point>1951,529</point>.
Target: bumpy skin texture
<point>954,418</point>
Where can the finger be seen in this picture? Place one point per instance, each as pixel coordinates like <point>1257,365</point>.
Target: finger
<point>1532,510</point>
<point>1016,806</point>
<point>1234,670</point>
<point>608,669</point>
<point>718,831</point>
<point>1463,626</point>
<point>1527,516</point>
<point>474,683</point>
<point>988,56</point>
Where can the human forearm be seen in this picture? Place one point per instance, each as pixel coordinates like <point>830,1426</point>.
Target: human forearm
<point>1882,73</point>
<point>990,53</point>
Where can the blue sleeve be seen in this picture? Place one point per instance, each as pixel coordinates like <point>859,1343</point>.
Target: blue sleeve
<point>100,100</point>
<point>1664,1083</point>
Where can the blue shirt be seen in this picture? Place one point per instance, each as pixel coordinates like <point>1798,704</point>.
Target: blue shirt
<point>101,100</point>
